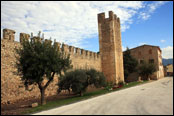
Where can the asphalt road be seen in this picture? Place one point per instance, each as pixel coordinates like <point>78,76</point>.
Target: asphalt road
<point>154,98</point>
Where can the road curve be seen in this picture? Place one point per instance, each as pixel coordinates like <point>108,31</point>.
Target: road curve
<point>155,98</point>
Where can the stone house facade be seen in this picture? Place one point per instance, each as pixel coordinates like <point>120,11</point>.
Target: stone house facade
<point>168,70</point>
<point>150,54</point>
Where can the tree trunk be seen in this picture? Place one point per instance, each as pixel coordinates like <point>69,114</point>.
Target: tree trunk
<point>139,78</point>
<point>148,78</point>
<point>69,91</point>
<point>81,94</point>
<point>43,102</point>
<point>42,89</point>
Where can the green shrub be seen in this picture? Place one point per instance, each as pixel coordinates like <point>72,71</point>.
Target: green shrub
<point>100,81</point>
<point>78,80</point>
<point>146,69</point>
<point>109,85</point>
<point>95,77</point>
<point>130,63</point>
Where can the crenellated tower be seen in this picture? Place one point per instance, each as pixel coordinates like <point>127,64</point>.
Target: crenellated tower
<point>110,46</point>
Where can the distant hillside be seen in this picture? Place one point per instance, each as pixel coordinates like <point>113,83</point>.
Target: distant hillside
<point>167,61</point>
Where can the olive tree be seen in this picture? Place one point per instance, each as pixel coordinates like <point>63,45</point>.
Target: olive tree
<point>78,80</point>
<point>146,69</point>
<point>39,60</point>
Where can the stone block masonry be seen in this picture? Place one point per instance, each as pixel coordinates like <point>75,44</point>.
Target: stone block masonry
<point>12,88</point>
<point>111,47</point>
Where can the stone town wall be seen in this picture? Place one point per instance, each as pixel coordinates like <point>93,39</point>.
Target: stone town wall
<point>12,88</point>
<point>83,59</point>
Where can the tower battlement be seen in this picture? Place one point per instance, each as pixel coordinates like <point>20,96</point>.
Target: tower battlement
<point>112,17</point>
<point>24,36</point>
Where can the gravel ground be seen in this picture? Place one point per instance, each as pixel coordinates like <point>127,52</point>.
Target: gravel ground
<point>20,106</point>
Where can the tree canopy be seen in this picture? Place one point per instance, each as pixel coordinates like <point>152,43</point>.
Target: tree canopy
<point>38,60</point>
<point>130,63</point>
<point>146,69</point>
<point>78,80</point>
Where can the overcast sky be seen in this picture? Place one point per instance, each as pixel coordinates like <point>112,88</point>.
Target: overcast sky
<point>75,22</point>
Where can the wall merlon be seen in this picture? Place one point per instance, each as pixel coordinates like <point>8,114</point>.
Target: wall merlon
<point>77,51</point>
<point>101,17</point>
<point>91,54</point>
<point>46,40</point>
<point>57,44</point>
<point>35,38</point>
<point>87,52</point>
<point>95,55</point>
<point>111,15</point>
<point>118,20</point>
<point>115,16</point>
<point>98,55</point>
<point>82,51</point>
<point>65,47</point>
<point>24,36</point>
<point>8,34</point>
<point>71,49</point>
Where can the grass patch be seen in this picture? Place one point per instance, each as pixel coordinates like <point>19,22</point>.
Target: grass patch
<point>66,101</point>
<point>134,83</point>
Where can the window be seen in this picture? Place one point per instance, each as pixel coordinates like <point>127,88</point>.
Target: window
<point>151,60</point>
<point>139,53</point>
<point>150,51</point>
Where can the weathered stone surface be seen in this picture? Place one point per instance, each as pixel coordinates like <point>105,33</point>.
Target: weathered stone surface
<point>8,34</point>
<point>34,105</point>
<point>149,54</point>
<point>111,47</point>
<point>23,106</point>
